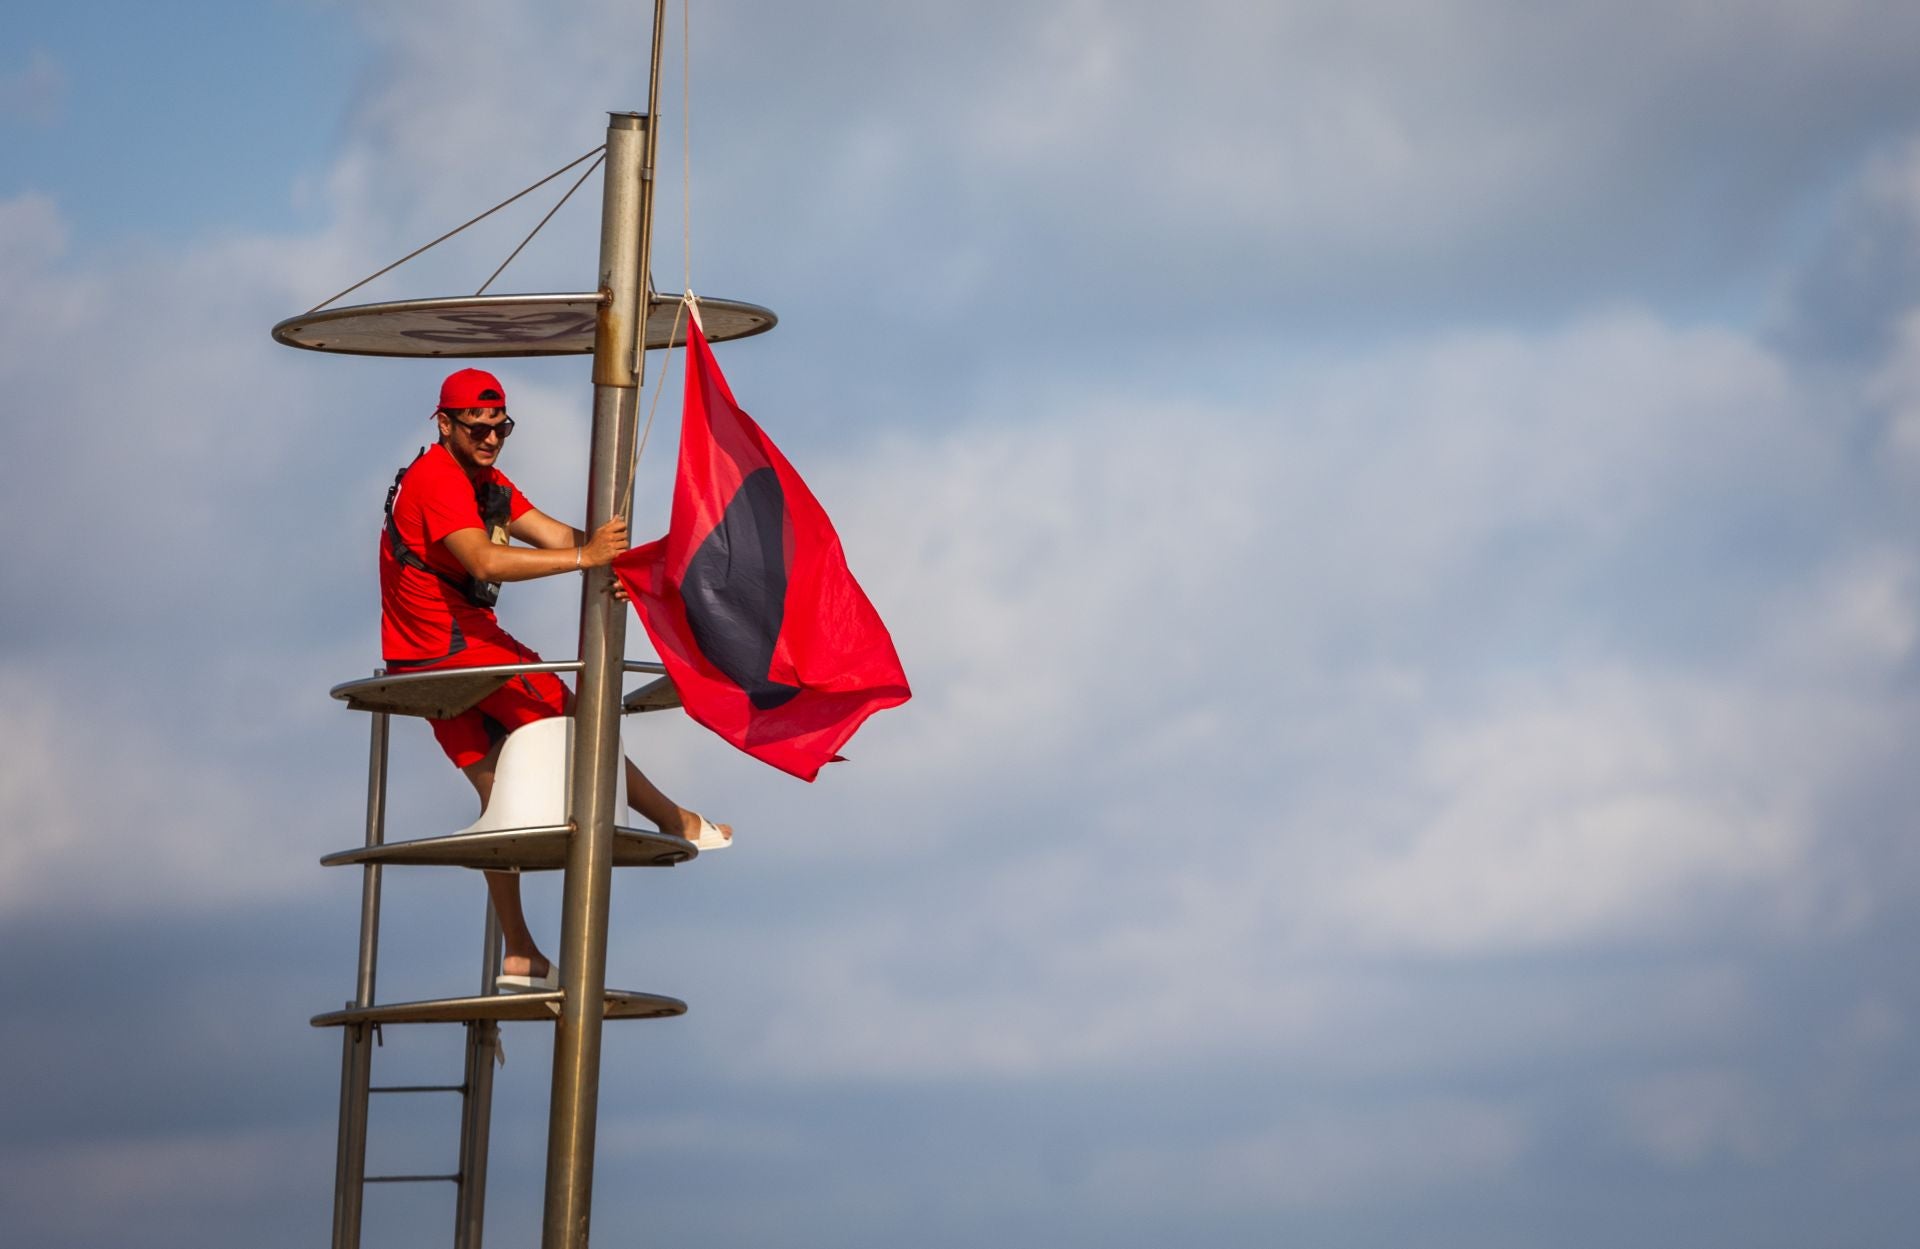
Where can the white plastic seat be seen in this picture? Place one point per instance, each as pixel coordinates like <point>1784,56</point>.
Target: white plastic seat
<point>530,780</point>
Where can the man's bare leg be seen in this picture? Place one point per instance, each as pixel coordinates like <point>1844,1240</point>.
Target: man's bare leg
<point>643,796</point>
<point>522,956</point>
<point>668,816</point>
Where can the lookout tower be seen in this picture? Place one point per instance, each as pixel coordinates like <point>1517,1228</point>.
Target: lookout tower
<point>565,824</point>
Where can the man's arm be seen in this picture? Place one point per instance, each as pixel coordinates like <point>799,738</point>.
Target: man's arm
<point>486,561</point>
<point>535,528</point>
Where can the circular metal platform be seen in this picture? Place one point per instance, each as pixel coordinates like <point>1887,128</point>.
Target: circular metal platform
<point>502,1007</point>
<point>441,693</point>
<point>499,325</point>
<point>527,849</point>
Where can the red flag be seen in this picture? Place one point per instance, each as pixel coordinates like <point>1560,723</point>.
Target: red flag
<point>770,641</point>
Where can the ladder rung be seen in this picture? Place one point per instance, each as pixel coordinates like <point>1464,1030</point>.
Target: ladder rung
<point>417,1088</point>
<point>409,1179</point>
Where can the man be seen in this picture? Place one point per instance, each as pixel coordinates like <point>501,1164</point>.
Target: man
<point>443,554</point>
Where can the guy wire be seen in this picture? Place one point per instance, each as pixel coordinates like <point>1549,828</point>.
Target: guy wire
<point>450,233</point>
<point>543,221</point>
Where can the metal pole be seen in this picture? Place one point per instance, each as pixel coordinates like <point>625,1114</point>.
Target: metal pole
<point>592,796</point>
<point>476,1103</point>
<point>356,1057</point>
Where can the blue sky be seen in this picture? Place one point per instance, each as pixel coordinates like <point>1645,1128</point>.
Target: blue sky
<point>1399,520</point>
<point>140,118</point>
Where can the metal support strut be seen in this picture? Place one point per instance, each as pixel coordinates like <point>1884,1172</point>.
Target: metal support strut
<point>476,1107</point>
<point>356,1061</point>
<point>356,1040</point>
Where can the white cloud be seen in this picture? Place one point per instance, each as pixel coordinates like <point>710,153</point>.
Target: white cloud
<point>1607,806</point>
<point>1429,654</point>
<point>1689,1118</point>
<point>1862,615</point>
<point>141,818</point>
<point>1313,156</point>
<point>35,93</point>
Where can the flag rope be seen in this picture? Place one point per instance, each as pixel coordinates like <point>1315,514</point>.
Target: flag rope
<point>686,147</point>
<point>659,388</point>
<point>687,300</point>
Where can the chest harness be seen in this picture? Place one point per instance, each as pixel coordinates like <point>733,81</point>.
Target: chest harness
<point>495,502</point>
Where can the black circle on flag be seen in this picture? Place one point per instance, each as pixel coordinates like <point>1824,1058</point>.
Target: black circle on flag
<point>735,589</point>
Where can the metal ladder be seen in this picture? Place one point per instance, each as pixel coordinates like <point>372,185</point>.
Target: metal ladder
<point>439,694</point>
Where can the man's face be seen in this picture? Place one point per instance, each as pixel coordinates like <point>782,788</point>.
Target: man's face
<point>475,436</point>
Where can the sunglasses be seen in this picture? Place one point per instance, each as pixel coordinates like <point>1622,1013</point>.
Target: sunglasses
<point>478,430</point>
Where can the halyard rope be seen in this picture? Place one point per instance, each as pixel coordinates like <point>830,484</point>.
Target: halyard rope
<point>686,300</point>
<point>659,388</point>
<point>686,147</point>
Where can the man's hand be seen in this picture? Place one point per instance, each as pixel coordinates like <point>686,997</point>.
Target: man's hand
<point>554,550</point>
<point>607,541</point>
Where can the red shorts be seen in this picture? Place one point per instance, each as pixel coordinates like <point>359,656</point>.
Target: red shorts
<point>526,697</point>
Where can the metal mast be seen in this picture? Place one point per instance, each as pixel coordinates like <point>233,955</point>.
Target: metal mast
<point>597,756</point>
<point>619,366</point>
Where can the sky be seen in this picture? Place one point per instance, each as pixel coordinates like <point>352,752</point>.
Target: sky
<point>1399,518</point>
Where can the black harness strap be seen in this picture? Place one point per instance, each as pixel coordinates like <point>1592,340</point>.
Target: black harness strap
<point>495,502</point>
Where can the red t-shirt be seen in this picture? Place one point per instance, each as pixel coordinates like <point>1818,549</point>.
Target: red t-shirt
<point>423,620</point>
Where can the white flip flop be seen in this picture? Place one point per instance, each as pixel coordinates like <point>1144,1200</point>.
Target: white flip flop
<point>529,984</point>
<point>710,838</point>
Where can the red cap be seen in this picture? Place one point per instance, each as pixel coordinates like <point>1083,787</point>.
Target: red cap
<point>472,388</point>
